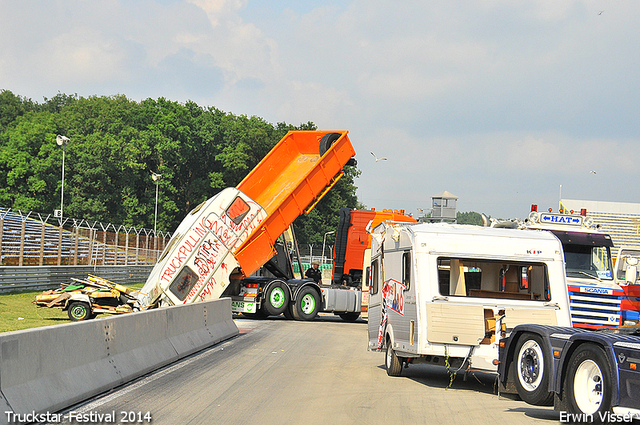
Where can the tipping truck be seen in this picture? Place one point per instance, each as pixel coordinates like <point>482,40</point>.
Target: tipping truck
<point>352,246</point>
<point>226,239</point>
<point>598,299</point>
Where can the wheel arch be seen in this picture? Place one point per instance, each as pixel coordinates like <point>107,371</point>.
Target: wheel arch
<point>268,286</point>
<point>298,289</point>
<point>388,335</point>
<point>77,297</point>
<point>510,347</point>
<point>588,338</point>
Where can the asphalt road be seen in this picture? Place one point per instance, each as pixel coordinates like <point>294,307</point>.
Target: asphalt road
<point>286,372</point>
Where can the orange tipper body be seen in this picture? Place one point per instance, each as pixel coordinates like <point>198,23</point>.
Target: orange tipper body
<point>288,182</point>
<point>235,231</point>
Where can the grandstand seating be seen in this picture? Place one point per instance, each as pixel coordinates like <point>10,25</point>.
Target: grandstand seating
<point>26,241</point>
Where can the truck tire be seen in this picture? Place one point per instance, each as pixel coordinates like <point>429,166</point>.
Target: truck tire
<point>392,362</point>
<point>328,140</point>
<point>79,310</point>
<point>350,317</point>
<point>588,384</point>
<point>276,298</point>
<point>288,312</point>
<point>307,304</point>
<point>532,369</point>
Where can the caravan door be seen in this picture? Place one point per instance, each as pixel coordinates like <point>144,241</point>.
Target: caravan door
<point>376,323</point>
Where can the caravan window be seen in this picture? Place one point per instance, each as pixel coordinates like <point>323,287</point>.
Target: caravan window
<point>367,279</point>
<point>468,277</point>
<point>406,270</point>
<point>375,277</point>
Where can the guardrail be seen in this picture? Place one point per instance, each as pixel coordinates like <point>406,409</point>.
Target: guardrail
<point>48,277</point>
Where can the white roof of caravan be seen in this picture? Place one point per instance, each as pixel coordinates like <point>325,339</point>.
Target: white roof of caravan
<point>470,230</point>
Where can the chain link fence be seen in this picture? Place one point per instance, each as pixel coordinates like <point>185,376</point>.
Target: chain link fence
<point>33,239</point>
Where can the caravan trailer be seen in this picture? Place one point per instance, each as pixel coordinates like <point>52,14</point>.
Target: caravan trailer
<point>447,294</point>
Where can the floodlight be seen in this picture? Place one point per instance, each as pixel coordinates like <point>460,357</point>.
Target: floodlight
<point>61,140</point>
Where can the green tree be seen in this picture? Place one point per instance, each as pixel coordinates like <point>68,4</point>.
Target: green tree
<point>470,217</point>
<point>116,143</point>
<point>29,168</point>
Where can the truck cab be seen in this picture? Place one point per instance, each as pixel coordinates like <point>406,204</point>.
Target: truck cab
<point>597,297</point>
<point>626,275</point>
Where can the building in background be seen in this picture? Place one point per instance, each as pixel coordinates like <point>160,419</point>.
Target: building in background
<point>621,220</point>
<point>443,207</point>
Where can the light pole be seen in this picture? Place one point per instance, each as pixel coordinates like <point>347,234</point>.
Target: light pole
<point>424,215</point>
<point>62,141</point>
<point>323,242</point>
<point>155,177</point>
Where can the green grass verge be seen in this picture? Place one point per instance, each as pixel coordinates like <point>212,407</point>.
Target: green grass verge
<point>18,312</point>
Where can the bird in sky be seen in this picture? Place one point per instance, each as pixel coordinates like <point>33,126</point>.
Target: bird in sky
<point>600,13</point>
<point>592,172</point>
<point>378,159</point>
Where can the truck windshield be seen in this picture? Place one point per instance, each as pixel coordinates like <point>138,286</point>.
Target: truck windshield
<point>585,261</point>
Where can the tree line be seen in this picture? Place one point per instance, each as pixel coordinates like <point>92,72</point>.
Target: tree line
<point>115,144</point>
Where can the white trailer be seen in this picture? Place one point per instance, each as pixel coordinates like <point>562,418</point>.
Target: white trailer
<point>447,294</point>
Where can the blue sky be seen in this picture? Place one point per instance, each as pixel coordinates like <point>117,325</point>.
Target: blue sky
<point>500,102</point>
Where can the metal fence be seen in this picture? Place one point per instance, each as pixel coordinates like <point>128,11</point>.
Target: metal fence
<point>31,239</point>
<point>48,277</point>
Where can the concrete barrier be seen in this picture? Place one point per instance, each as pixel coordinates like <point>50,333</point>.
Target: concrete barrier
<point>138,343</point>
<point>48,369</point>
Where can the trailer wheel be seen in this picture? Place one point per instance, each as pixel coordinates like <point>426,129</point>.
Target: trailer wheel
<point>588,384</point>
<point>392,362</point>
<point>328,140</point>
<point>79,310</point>
<point>277,298</point>
<point>307,303</point>
<point>350,317</point>
<point>532,371</point>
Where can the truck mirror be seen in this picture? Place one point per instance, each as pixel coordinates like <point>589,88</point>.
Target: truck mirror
<point>631,273</point>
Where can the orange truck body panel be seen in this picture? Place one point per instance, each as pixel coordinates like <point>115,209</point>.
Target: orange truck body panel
<point>288,182</point>
<point>358,240</point>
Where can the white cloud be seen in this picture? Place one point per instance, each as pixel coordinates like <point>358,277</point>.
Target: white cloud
<point>500,102</point>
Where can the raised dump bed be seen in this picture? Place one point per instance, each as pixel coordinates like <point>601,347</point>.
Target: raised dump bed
<point>288,182</point>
